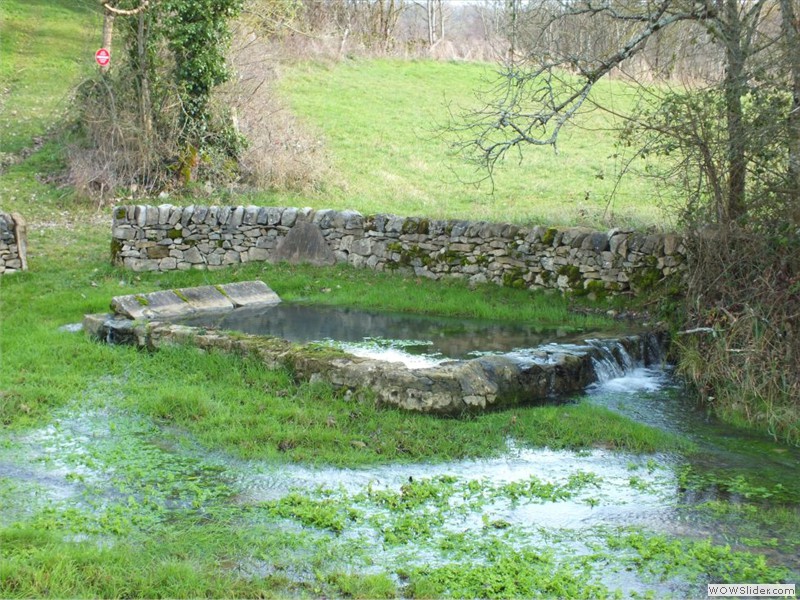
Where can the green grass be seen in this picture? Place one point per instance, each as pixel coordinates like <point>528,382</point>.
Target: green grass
<point>45,46</point>
<point>165,519</point>
<point>380,121</point>
<point>242,406</point>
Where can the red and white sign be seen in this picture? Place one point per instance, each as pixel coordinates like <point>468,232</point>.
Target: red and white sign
<point>103,57</point>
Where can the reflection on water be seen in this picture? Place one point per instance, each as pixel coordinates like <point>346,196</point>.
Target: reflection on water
<point>417,334</point>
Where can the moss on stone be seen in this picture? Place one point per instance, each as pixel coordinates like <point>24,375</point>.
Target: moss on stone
<point>174,234</point>
<point>549,236</point>
<point>120,213</point>
<point>116,248</point>
<point>180,295</point>
<point>572,273</point>
<point>513,278</point>
<point>410,226</point>
<point>645,279</point>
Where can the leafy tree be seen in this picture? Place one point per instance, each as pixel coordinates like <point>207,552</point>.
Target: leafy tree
<point>172,60</point>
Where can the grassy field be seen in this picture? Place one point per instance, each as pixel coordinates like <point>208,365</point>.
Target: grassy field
<point>140,447</point>
<point>45,47</point>
<point>381,122</point>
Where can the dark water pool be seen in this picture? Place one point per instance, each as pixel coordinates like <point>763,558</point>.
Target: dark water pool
<point>439,337</point>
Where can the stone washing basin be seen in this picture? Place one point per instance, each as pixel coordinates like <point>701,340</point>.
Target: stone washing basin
<point>452,388</point>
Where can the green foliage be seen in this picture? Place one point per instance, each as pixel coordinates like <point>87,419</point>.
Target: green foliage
<point>151,118</point>
<point>197,32</point>
<point>324,514</point>
<point>701,560</point>
<point>513,574</point>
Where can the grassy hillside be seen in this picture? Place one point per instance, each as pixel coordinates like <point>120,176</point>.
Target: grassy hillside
<point>381,124</point>
<point>45,46</point>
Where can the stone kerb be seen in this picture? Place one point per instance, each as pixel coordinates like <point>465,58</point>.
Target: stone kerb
<point>13,243</point>
<point>573,259</point>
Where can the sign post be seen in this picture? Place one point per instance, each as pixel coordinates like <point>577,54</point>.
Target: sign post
<point>103,58</point>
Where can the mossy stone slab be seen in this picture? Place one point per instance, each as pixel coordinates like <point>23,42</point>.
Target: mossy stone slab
<point>165,303</point>
<point>206,298</point>
<point>249,293</point>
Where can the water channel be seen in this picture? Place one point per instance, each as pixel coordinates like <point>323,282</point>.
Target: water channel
<point>597,515</point>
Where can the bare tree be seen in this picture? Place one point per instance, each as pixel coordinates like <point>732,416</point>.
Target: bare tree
<point>110,12</point>
<point>434,19</point>
<point>537,96</point>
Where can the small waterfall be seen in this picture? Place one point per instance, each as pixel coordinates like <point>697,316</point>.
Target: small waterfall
<point>615,359</point>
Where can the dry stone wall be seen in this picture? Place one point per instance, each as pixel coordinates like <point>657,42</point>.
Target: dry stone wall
<point>13,243</point>
<point>165,237</point>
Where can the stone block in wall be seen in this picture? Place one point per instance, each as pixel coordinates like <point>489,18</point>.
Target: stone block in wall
<point>236,217</point>
<point>574,236</point>
<point>258,254</point>
<point>324,218</point>
<point>168,264</point>
<point>224,215</point>
<point>140,264</point>
<point>163,213</point>
<point>250,215</point>
<point>394,224</point>
<point>274,216</point>
<point>174,216</point>
<point>362,247</point>
<point>596,242</point>
<point>289,217</point>
<point>459,229</point>
<point>671,244</point>
<point>157,252</point>
<point>186,215</point>
<point>212,217</point>
<point>618,244</point>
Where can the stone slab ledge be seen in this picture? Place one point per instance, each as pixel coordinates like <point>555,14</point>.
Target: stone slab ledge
<point>184,302</point>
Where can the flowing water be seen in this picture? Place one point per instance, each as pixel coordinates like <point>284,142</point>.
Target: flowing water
<point>584,511</point>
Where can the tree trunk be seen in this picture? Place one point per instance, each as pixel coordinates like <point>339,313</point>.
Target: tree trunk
<point>108,33</point>
<point>734,86</point>
<point>144,78</point>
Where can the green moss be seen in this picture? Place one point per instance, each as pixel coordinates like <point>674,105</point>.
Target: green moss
<point>513,278</point>
<point>646,279</point>
<point>594,289</point>
<point>410,226</point>
<point>181,295</point>
<point>120,213</point>
<point>482,260</point>
<point>451,257</point>
<point>142,300</point>
<point>394,247</point>
<point>116,248</point>
<point>174,234</point>
<point>573,275</point>
<point>549,236</point>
